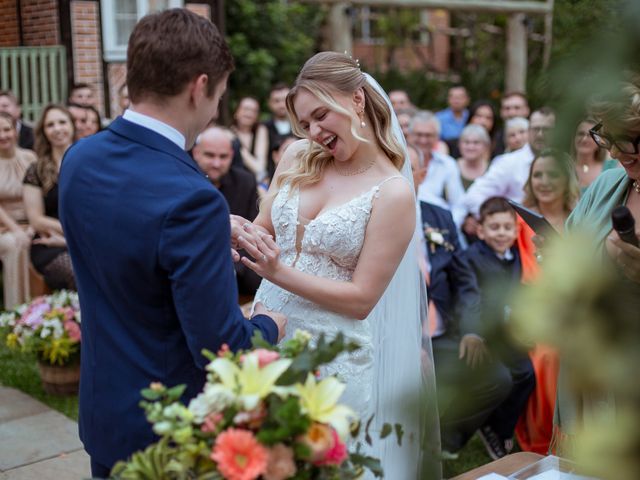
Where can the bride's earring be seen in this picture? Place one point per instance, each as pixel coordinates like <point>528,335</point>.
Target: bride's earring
<point>361,116</point>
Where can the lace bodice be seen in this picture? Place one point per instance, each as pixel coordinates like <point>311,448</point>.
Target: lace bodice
<point>327,246</point>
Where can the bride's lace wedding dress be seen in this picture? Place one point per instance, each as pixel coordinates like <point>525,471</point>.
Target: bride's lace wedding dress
<point>327,246</point>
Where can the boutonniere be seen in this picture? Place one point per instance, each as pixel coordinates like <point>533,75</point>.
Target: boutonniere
<point>435,238</point>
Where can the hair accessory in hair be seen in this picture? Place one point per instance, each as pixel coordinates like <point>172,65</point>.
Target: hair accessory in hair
<point>354,59</point>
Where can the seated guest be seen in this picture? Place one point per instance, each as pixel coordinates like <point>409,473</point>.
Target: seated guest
<point>495,262</point>
<point>82,94</point>
<point>591,159</point>
<point>507,177</point>
<point>516,133</point>
<point>475,149</point>
<point>15,236</point>
<point>512,105</point>
<point>279,148</point>
<point>470,385</point>
<point>54,134</point>
<point>252,138</point>
<point>551,190</point>
<point>94,120</point>
<point>482,113</point>
<point>9,104</point>
<point>80,117</point>
<point>86,120</point>
<point>454,118</point>
<point>400,101</point>
<point>278,126</point>
<point>442,185</point>
<point>213,152</point>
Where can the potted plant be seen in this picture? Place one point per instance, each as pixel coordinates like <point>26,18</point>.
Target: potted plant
<point>48,326</point>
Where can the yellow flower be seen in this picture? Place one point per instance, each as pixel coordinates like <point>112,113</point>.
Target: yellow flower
<point>250,383</point>
<point>320,402</point>
<point>12,340</point>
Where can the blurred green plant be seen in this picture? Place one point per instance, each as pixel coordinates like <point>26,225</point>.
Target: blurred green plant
<point>270,40</point>
<point>583,307</point>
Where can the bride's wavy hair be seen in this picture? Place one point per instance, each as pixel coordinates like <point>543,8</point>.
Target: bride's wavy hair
<point>323,75</point>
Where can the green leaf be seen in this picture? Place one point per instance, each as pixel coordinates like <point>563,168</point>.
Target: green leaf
<point>367,435</point>
<point>151,395</point>
<point>399,433</point>
<point>386,430</point>
<point>174,393</point>
<point>373,464</point>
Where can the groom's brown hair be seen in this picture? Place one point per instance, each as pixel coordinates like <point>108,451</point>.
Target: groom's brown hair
<point>169,49</point>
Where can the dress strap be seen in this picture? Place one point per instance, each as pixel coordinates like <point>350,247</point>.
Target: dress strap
<point>377,187</point>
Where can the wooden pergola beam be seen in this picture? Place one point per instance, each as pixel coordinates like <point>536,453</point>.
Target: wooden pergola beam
<point>496,6</point>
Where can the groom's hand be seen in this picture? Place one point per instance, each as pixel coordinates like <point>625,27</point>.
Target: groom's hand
<point>279,318</point>
<point>237,228</point>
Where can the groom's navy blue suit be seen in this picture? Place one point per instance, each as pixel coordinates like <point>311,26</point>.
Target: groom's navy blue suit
<point>149,237</point>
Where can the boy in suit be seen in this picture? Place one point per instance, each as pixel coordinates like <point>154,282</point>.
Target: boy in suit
<point>469,383</point>
<point>149,238</point>
<point>495,262</point>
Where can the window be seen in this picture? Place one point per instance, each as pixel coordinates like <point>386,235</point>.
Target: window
<point>119,18</point>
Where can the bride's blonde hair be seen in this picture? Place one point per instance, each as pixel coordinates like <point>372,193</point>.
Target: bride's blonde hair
<point>323,74</point>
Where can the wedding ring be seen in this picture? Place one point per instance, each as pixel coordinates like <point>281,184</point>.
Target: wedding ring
<point>264,258</point>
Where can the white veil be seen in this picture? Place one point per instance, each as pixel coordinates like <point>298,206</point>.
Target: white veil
<point>403,393</point>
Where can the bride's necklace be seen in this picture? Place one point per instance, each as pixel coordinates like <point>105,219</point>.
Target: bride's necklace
<point>585,168</point>
<point>347,173</point>
<point>636,186</point>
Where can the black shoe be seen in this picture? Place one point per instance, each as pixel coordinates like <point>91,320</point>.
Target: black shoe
<point>493,443</point>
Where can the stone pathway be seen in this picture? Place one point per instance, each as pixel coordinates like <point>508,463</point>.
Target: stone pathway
<point>38,443</point>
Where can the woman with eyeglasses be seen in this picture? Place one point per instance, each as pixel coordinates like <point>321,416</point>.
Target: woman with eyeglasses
<point>590,159</point>
<point>618,132</point>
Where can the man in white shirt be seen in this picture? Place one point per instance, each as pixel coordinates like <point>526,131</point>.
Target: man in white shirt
<point>508,177</point>
<point>442,186</point>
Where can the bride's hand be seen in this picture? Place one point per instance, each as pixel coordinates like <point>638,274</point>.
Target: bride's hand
<point>237,228</point>
<point>265,252</point>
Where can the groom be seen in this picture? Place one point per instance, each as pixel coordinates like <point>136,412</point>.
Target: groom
<point>149,237</point>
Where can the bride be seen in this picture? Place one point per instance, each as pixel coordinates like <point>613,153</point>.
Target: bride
<point>333,242</point>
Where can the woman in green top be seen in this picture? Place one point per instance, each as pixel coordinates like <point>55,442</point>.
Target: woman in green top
<point>618,131</point>
<point>590,159</point>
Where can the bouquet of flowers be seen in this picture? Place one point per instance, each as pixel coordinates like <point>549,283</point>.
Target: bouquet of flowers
<point>263,413</point>
<point>48,325</point>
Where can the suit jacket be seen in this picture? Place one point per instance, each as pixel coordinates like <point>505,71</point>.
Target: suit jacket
<point>149,238</point>
<point>240,190</point>
<point>26,138</point>
<point>497,279</point>
<point>453,287</point>
<point>274,139</point>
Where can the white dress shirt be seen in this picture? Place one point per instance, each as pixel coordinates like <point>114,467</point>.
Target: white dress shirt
<point>156,125</point>
<point>506,178</point>
<point>443,186</point>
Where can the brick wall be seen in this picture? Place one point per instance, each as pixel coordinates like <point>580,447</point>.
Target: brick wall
<point>87,50</point>
<point>9,30</point>
<point>117,72</point>
<point>116,75</point>
<point>40,23</point>
<point>201,9</point>
<point>411,57</point>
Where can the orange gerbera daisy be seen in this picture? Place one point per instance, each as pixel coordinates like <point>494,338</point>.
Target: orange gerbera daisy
<point>239,455</point>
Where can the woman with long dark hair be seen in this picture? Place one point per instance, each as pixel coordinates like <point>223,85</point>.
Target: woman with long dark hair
<point>54,133</point>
